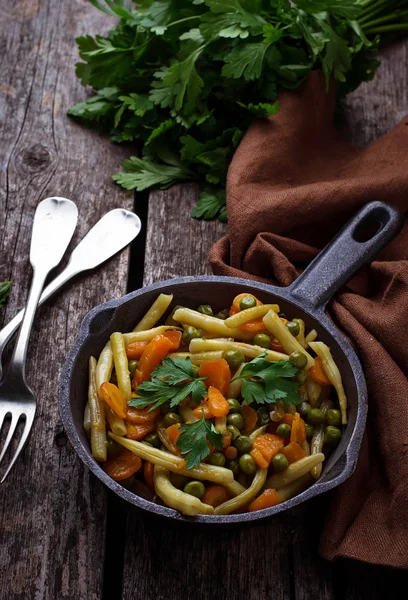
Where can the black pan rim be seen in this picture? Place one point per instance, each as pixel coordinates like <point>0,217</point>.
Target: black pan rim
<point>314,490</point>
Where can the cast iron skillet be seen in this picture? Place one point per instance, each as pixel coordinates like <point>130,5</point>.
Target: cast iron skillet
<point>305,298</point>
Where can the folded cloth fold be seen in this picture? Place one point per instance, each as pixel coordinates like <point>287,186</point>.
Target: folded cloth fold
<point>293,184</point>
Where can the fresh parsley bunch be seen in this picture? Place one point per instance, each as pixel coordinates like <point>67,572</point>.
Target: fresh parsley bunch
<point>183,79</point>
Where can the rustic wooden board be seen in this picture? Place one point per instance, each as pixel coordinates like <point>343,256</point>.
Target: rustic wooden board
<point>52,511</point>
<point>277,558</point>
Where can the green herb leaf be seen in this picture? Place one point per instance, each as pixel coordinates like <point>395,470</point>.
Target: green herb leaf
<point>141,174</point>
<point>195,439</point>
<point>172,381</point>
<point>210,205</point>
<point>265,381</point>
<point>5,288</point>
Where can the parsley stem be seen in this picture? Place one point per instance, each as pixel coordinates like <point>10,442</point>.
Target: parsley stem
<point>383,20</point>
<point>377,9</point>
<point>388,28</point>
<point>195,17</point>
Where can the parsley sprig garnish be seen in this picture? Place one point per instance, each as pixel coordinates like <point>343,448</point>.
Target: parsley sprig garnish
<point>195,439</point>
<point>5,287</point>
<point>172,381</point>
<point>265,382</point>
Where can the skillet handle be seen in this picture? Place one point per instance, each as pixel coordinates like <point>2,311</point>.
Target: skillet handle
<point>352,248</point>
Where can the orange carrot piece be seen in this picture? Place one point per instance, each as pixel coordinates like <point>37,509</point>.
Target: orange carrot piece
<point>216,495</point>
<point>259,459</point>
<point>226,439</point>
<point>254,326</point>
<point>122,466</point>
<point>114,398</point>
<point>293,452</point>
<point>288,419</point>
<point>267,499</point>
<point>250,418</point>
<point>173,433</point>
<point>268,445</point>
<point>317,372</point>
<point>181,465</point>
<point>148,472</point>
<point>298,432</point>
<point>138,432</point>
<point>231,453</point>
<point>135,350</point>
<point>198,412</point>
<point>175,338</point>
<point>138,417</point>
<point>153,355</point>
<point>235,308</point>
<point>276,347</point>
<point>217,404</point>
<point>218,374</point>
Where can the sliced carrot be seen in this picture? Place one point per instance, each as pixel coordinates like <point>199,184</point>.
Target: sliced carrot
<point>276,347</point>
<point>298,432</point>
<point>153,355</point>
<point>135,350</point>
<point>231,453</point>
<point>288,419</point>
<point>173,433</point>
<point>250,418</point>
<point>175,338</point>
<point>216,495</point>
<point>317,372</point>
<point>138,432</point>
<point>114,398</point>
<point>254,326</point>
<point>122,466</point>
<point>218,374</point>
<point>259,459</point>
<point>284,321</point>
<point>217,404</point>
<point>267,499</point>
<point>235,308</point>
<point>198,412</point>
<point>293,452</point>
<point>138,417</point>
<point>181,465</point>
<point>268,445</point>
<point>148,472</point>
<point>226,439</point>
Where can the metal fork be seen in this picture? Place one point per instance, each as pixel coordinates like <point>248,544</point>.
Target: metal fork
<point>54,224</point>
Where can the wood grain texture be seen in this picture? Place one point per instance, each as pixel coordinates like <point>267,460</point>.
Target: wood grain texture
<point>276,558</point>
<point>52,511</point>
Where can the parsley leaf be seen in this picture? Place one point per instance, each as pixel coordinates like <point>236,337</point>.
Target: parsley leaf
<point>266,382</point>
<point>5,288</point>
<point>195,439</point>
<point>172,381</point>
<point>210,205</point>
<point>141,174</point>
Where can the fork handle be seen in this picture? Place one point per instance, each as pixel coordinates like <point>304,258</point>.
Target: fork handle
<point>17,365</point>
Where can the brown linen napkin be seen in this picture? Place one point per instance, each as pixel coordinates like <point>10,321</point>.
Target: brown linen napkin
<point>293,183</point>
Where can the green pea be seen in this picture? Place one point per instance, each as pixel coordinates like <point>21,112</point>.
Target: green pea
<point>217,459</point>
<point>333,417</point>
<point>113,449</point>
<point>243,444</point>
<point>332,435</point>
<point>298,359</point>
<point>179,481</point>
<point>263,340</point>
<point>195,488</point>
<point>247,464</point>
<point>190,333</point>
<point>301,377</point>
<point>113,378</point>
<point>153,439</point>
<point>263,416</point>
<point>171,419</point>
<point>303,409</point>
<point>309,431</point>
<point>280,463</point>
<point>315,416</point>
<point>247,302</point>
<point>205,309</point>
<point>165,408</point>
<point>284,430</point>
<point>234,405</point>
<point>234,432</point>
<point>132,366</point>
<point>195,370</point>
<point>234,358</point>
<point>233,465</point>
<point>293,328</point>
<point>237,420</point>
<point>223,314</point>
<point>170,321</point>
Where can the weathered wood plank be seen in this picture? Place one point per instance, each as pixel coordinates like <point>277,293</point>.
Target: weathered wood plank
<point>52,511</point>
<point>276,558</point>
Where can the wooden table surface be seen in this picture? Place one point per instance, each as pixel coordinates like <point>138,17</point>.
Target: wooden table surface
<point>61,535</point>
